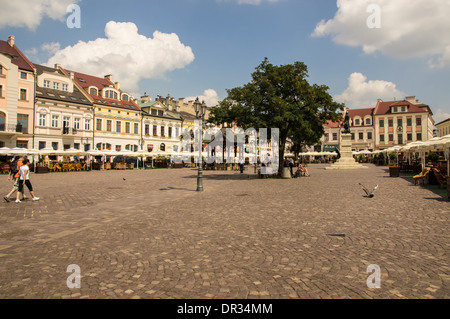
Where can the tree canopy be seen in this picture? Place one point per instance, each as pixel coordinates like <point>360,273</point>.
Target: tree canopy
<point>280,97</point>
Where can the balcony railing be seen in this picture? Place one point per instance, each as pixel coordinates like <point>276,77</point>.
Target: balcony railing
<point>69,131</point>
<point>11,128</point>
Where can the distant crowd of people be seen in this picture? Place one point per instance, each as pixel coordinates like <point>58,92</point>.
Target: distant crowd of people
<point>20,174</point>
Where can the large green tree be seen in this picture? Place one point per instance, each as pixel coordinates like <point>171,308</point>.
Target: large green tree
<point>280,97</point>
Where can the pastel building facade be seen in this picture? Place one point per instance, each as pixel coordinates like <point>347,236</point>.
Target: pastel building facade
<point>17,85</point>
<point>64,115</point>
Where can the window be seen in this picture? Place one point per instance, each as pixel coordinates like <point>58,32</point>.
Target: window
<point>335,137</point>
<point>125,97</point>
<point>55,145</point>
<point>1,69</point>
<point>87,147</point>
<point>403,108</point>
<point>76,123</point>
<point>369,135</point>
<point>23,94</point>
<point>118,126</point>
<point>127,127</point>
<point>108,125</point>
<point>65,87</point>
<point>93,91</point>
<point>42,118</point>
<point>409,122</point>
<point>76,146</point>
<point>55,120</point>
<point>66,124</point>
<point>22,144</point>
<point>381,123</point>
<point>155,130</point>
<point>42,145</point>
<point>409,136</point>
<point>22,123</point>
<point>326,137</point>
<point>118,148</point>
<point>170,131</point>
<point>162,131</point>
<point>353,136</point>
<point>399,122</point>
<point>98,125</point>
<point>419,136</point>
<point>381,137</point>
<point>154,112</point>
<point>87,124</point>
<point>368,121</point>
<point>400,139</point>
<point>1,90</point>
<point>390,122</point>
<point>361,135</point>
<point>115,95</point>
<point>147,129</point>
<point>160,113</point>
<point>391,137</point>
<point>46,84</point>
<point>2,121</point>
<point>357,122</point>
<point>23,75</point>
<point>136,128</point>
<point>66,146</point>
<point>55,85</point>
<point>418,121</point>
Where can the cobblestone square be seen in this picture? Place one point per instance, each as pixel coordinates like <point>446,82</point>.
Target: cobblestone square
<point>148,234</point>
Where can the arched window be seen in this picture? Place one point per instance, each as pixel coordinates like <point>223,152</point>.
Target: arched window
<point>93,91</point>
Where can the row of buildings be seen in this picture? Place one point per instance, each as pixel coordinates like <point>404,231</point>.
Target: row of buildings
<point>55,108</point>
<point>389,123</point>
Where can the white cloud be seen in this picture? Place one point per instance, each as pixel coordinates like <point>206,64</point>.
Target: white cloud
<point>51,48</point>
<point>210,97</point>
<point>440,115</point>
<point>29,13</point>
<point>409,28</point>
<point>126,54</point>
<point>361,93</point>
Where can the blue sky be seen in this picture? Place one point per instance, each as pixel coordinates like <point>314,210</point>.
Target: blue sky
<point>207,46</point>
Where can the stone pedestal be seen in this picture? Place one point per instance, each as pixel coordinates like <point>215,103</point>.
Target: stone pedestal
<point>346,161</point>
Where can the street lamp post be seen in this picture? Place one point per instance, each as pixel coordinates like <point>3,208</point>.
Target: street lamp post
<point>200,110</point>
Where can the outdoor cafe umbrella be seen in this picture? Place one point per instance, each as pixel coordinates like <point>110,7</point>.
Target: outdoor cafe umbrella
<point>4,151</point>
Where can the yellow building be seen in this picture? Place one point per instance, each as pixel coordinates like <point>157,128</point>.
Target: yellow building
<point>443,128</point>
<point>117,118</point>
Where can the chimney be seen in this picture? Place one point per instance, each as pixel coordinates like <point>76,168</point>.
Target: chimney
<point>57,66</point>
<point>117,85</point>
<point>412,99</point>
<point>71,75</point>
<point>11,40</point>
<point>108,77</point>
<point>145,98</point>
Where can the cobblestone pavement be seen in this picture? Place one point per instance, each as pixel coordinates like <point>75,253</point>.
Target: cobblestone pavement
<point>149,234</point>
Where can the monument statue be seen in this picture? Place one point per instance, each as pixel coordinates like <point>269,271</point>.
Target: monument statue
<point>346,124</point>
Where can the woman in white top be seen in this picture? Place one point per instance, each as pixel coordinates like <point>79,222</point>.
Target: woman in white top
<point>24,179</point>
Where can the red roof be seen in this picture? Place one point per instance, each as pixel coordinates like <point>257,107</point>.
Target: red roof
<point>85,81</point>
<point>360,112</point>
<point>332,124</point>
<point>384,108</point>
<point>19,58</point>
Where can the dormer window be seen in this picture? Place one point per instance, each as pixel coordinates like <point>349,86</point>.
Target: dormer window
<point>368,121</point>
<point>403,108</point>
<point>357,122</point>
<point>110,94</point>
<point>65,87</point>
<point>125,97</point>
<point>93,91</point>
<point>55,85</point>
<point>46,84</point>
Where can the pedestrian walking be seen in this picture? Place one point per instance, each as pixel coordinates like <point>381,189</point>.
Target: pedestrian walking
<point>24,179</point>
<point>241,165</point>
<point>291,166</point>
<point>14,175</point>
